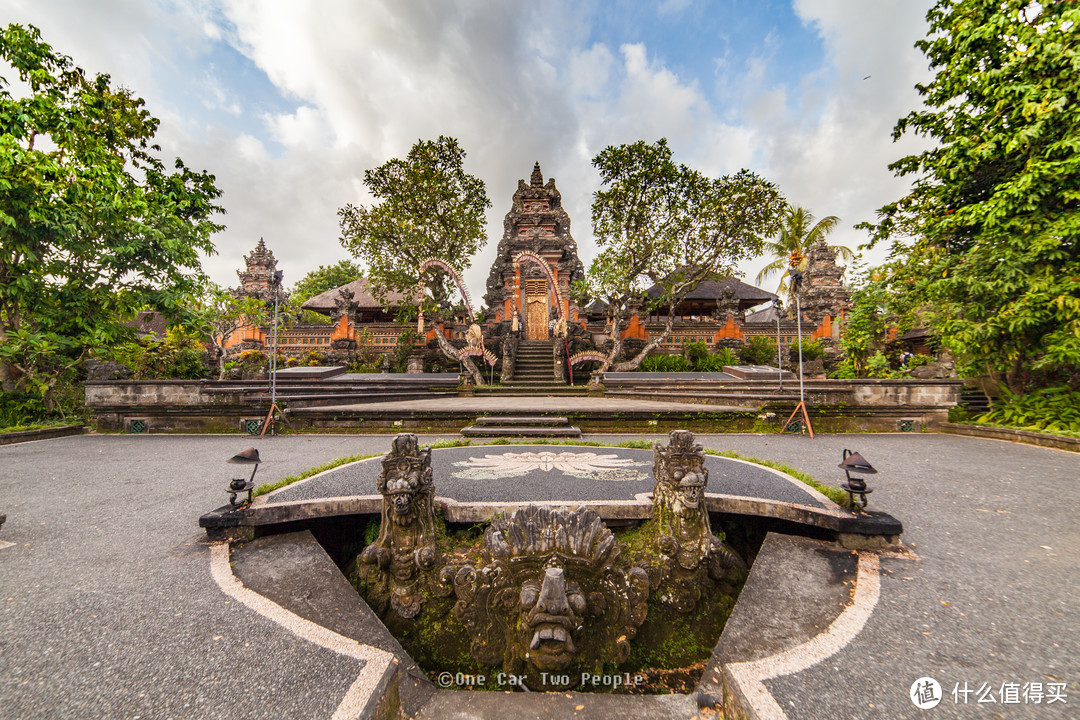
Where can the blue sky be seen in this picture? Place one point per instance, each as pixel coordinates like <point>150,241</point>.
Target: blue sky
<point>289,102</point>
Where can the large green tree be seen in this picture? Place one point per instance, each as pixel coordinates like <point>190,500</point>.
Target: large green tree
<point>428,207</point>
<point>93,225</point>
<point>988,239</point>
<point>798,233</point>
<point>319,280</point>
<point>659,223</point>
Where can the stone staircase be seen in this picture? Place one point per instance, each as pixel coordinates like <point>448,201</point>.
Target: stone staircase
<point>534,364</point>
<point>534,373</point>
<point>542,426</point>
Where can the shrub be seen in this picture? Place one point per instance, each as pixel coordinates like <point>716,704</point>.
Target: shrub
<point>695,351</point>
<point>726,356</point>
<point>665,363</point>
<point>811,350</point>
<point>1053,410</point>
<point>878,366</point>
<point>179,356</point>
<point>758,350</point>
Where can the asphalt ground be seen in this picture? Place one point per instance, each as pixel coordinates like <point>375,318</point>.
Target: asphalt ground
<point>477,473</point>
<point>109,609</point>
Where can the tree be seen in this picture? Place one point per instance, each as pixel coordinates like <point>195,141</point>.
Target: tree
<point>659,223</point>
<point>92,225</point>
<point>225,313</point>
<point>323,278</point>
<point>989,236</point>
<point>430,208</point>
<point>797,235</point>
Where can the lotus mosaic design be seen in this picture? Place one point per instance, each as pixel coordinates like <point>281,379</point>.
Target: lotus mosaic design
<point>588,465</point>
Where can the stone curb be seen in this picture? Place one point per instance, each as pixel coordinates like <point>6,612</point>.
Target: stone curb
<point>43,434</point>
<point>1027,437</point>
<point>226,522</point>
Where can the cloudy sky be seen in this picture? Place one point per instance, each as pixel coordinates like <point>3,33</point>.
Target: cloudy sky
<point>287,102</point>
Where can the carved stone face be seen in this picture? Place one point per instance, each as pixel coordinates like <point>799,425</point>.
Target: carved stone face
<point>551,613</point>
<point>552,596</point>
<point>402,485</point>
<point>690,479</point>
<point>681,475</point>
<point>406,475</point>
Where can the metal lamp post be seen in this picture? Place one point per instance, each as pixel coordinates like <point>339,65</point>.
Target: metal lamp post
<point>240,485</point>
<point>777,305</point>
<point>856,486</point>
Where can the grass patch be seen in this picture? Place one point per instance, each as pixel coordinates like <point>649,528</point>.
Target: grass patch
<point>271,487</point>
<point>37,426</point>
<point>636,444</point>
<point>449,444</point>
<point>835,494</point>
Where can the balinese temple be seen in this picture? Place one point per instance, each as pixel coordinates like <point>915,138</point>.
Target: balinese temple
<point>538,224</point>
<point>537,227</point>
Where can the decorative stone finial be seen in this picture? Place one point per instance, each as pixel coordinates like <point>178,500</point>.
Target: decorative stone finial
<point>537,178</point>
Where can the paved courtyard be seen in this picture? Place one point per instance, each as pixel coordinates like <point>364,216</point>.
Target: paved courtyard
<point>110,611</point>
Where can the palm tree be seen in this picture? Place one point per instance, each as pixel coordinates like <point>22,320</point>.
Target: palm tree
<point>798,233</point>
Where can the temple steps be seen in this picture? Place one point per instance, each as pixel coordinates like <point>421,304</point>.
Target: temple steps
<point>538,426</point>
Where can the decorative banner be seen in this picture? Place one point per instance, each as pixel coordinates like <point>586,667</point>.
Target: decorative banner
<point>527,255</point>
<point>587,356</point>
<point>435,262</point>
<point>489,357</point>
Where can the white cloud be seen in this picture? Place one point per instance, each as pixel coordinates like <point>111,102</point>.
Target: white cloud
<point>360,82</point>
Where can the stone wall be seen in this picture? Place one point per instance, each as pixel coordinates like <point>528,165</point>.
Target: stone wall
<point>889,404</point>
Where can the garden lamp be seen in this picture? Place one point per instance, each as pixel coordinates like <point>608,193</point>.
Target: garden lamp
<point>240,485</point>
<point>856,487</point>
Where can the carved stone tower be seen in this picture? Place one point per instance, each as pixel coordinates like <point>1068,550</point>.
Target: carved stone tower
<point>536,223</point>
<point>261,275</point>
<point>823,292</point>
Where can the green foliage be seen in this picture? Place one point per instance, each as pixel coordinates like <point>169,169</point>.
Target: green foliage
<point>429,207</point>
<point>990,234</point>
<point>406,342</point>
<point>222,315</point>
<point>811,350</point>
<point>367,359</point>
<point>758,350</point>
<point>461,442</point>
<point>726,356</point>
<point>797,235</point>
<point>878,366</point>
<point>665,363</point>
<point>1049,410</point>
<point>665,225</point>
<point>29,426</point>
<point>877,305</point>
<point>178,356</point>
<point>702,361</point>
<point>93,224</point>
<point>318,281</point>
